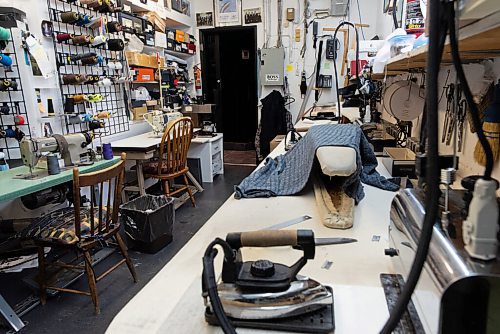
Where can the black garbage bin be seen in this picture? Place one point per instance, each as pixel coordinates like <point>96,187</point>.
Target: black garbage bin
<point>149,222</point>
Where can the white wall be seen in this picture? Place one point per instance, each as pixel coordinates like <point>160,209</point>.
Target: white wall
<point>370,10</point>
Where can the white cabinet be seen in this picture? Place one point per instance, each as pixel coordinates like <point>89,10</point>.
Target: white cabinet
<point>210,151</point>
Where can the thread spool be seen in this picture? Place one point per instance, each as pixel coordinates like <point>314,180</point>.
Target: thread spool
<point>83,19</point>
<point>107,151</point>
<point>5,60</point>
<point>113,27</point>
<point>104,114</point>
<point>5,109</point>
<point>19,120</point>
<point>82,39</point>
<point>106,82</point>
<point>94,4</point>
<point>69,17</point>
<point>5,84</point>
<point>93,98</point>
<point>79,98</point>
<point>115,66</point>
<point>96,124</point>
<point>91,79</point>
<point>99,40</point>
<point>63,37</point>
<point>53,164</point>
<point>89,60</point>
<point>75,58</point>
<point>116,44</point>
<point>4,34</point>
<point>69,106</point>
<point>73,79</point>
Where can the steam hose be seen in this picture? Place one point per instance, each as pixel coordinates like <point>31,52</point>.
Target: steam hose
<point>335,63</point>
<point>210,284</point>
<point>436,25</point>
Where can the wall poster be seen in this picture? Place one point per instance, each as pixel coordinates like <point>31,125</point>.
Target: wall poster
<point>228,12</point>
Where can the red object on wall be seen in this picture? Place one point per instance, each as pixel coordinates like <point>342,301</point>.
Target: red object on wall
<point>361,62</point>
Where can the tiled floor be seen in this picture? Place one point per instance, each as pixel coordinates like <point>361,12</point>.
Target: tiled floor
<point>68,313</point>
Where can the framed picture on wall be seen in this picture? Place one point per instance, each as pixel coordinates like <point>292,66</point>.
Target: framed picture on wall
<point>227,12</point>
<point>205,19</point>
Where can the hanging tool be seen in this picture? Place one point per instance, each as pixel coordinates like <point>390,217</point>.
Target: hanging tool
<point>462,115</point>
<point>263,294</point>
<point>450,96</point>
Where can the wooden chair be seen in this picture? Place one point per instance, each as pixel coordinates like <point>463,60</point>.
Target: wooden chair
<point>172,161</point>
<point>82,229</point>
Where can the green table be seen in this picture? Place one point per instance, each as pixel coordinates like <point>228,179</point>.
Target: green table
<point>12,186</point>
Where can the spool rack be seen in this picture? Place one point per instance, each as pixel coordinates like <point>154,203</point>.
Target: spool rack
<point>114,95</point>
<point>14,100</point>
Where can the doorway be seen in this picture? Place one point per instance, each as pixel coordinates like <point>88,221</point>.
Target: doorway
<point>229,80</point>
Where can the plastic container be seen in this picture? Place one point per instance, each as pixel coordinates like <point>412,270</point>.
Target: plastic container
<point>401,44</point>
<point>149,222</point>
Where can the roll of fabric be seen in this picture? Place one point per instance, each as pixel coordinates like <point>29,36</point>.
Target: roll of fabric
<point>5,60</point>
<point>62,37</point>
<point>69,17</point>
<point>107,151</point>
<point>116,44</point>
<point>4,34</point>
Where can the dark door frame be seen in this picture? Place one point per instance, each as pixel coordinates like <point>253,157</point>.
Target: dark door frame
<point>203,62</point>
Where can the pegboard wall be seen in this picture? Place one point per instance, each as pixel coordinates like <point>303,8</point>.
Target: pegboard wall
<point>91,91</point>
<point>12,102</point>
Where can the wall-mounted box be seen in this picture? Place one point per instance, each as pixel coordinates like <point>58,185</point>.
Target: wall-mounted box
<point>272,67</point>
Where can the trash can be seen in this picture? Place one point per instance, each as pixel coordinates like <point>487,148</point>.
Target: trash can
<point>149,222</point>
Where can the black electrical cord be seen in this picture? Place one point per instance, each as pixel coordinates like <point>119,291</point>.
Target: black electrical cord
<point>318,70</point>
<point>474,112</point>
<point>335,63</point>
<point>210,284</point>
<point>395,14</point>
<point>436,24</point>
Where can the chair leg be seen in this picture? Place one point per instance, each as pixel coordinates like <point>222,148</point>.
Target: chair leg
<point>42,283</point>
<point>189,191</point>
<point>92,282</point>
<point>123,250</point>
<point>166,187</point>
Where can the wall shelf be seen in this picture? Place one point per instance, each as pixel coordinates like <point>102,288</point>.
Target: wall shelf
<point>478,41</point>
<point>173,18</point>
<point>181,55</point>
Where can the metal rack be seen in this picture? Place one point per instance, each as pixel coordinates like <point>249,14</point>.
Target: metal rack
<point>15,101</point>
<point>114,96</point>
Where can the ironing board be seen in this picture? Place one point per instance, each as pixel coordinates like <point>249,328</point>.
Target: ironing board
<point>336,209</point>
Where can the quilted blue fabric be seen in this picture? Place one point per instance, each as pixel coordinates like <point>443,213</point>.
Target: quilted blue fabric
<point>288,174</point>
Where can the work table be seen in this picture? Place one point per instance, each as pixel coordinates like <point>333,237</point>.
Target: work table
<point>13,186</point>
<point>172,302</point>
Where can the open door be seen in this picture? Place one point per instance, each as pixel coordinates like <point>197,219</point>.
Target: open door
<point>229,65</point>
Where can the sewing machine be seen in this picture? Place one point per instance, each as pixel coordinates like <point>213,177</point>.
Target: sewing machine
<point>71,147</point>
<point>159,119</point>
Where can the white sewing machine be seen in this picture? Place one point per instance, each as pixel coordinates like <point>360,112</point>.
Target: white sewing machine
<point>159,119</point>
<point>71,147</point>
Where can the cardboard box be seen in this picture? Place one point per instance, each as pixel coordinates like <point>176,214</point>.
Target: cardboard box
<point>143,60</point>
<point>144,74</point>
<point>138,112</point>
<point>180,36</point>
<point>161,40</point>
<point>399,161</point>
<point>276,141</point>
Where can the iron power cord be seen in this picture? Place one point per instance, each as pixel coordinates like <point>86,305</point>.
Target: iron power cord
<point>436,23</point>
<point>210,284</point>
<point>335,63</point>
<point>474,112</point>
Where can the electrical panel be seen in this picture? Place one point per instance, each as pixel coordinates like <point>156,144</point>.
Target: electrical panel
<point>339,7</point>
<point>272,67</point>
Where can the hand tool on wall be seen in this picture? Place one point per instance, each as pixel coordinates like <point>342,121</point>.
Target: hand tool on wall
<point>450,97</point>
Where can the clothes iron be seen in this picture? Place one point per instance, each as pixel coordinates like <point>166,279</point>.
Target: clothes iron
<point>262,294</point>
